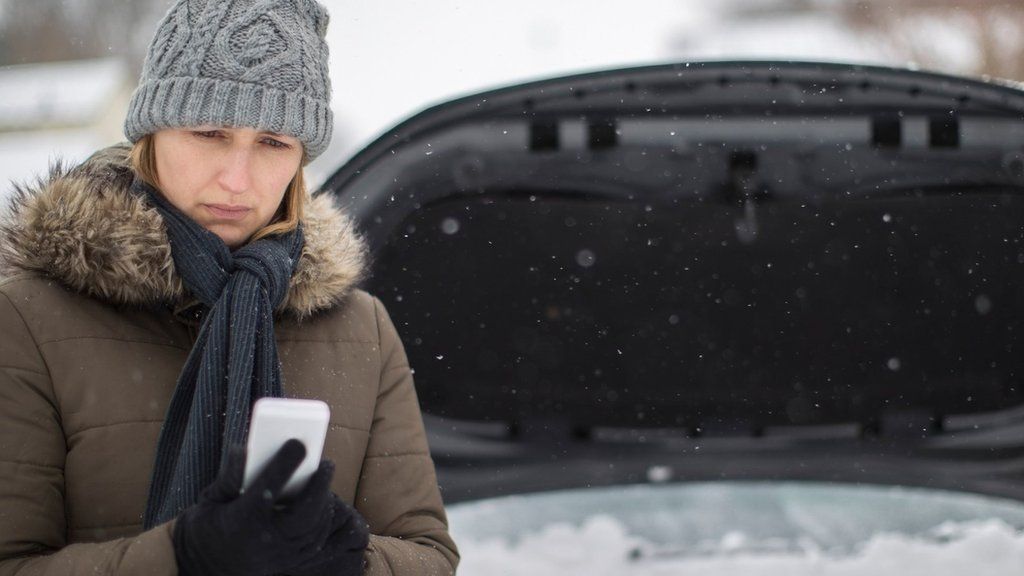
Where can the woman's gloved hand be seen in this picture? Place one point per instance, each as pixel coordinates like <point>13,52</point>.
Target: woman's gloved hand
<point>342,554</point>
<point>228,534</point>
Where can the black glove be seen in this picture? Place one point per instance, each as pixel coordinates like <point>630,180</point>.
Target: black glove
<point>228,534</point>
<point>342,554</point>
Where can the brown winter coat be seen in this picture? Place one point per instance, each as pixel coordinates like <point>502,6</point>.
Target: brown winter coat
<point>95,327</point>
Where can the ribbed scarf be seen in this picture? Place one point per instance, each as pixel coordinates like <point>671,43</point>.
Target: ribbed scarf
<point>234,360</point>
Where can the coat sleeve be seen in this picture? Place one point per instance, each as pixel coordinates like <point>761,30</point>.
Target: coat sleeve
<point>33,530</point>
<point>398,485</point>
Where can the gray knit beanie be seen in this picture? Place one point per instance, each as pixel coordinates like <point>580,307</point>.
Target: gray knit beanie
<point>244,63</point>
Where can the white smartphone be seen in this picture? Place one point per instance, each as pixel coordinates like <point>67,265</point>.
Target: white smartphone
<point>275,421</point>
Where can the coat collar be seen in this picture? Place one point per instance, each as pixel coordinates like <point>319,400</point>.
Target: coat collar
<point>86,229</point>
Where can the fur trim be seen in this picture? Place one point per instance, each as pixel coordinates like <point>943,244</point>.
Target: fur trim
<point>84,228</point>
<point>333,260</point>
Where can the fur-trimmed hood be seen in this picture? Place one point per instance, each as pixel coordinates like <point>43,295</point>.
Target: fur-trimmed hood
<point>84,228</point>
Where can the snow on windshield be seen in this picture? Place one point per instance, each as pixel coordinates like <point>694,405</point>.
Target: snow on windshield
<point>736,528</point>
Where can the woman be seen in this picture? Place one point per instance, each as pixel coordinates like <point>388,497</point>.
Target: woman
<point>155,291</point>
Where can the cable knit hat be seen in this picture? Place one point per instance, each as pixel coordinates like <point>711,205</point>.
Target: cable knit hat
<point>245,63</point>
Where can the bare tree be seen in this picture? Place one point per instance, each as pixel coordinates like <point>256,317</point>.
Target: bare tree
<point>49,30</point>
<point>992,29</point>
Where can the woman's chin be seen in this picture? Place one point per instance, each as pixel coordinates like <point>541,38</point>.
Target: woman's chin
<point>233,236</point>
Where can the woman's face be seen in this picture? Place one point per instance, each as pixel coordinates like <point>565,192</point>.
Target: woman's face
<point>229,180</point>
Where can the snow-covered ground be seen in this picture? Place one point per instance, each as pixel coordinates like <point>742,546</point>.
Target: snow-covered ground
<point>64,93</point>
<point>27,155</point>
<point>754,529</point>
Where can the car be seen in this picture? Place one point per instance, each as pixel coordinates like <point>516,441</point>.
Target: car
<point>711,307</point>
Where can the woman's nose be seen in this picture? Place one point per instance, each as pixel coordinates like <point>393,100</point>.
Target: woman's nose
<point>236,176</point>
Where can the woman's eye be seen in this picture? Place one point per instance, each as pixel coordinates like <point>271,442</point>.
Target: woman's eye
<point>276,143</point>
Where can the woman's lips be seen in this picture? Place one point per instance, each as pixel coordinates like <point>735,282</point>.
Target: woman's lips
<point>225,212</point>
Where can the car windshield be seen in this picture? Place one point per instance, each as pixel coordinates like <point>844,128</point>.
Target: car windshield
<point>727,528</point>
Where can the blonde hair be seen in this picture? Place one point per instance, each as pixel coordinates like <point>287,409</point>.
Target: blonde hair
<point>143,161</point>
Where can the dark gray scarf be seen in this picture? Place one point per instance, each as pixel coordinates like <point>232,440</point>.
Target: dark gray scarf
<point>234,360</point>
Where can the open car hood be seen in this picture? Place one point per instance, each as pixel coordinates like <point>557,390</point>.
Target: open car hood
<point>723,270</point>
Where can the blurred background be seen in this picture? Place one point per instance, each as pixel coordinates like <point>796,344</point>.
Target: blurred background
<point>68,67</point>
